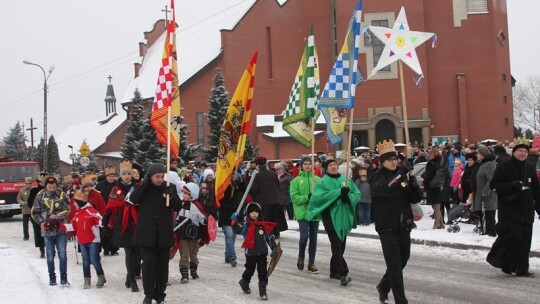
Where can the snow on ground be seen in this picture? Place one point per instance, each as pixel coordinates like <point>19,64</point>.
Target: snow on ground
<point>25,279</point>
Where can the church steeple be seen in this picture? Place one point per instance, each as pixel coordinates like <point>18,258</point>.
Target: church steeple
<point>110,99</point>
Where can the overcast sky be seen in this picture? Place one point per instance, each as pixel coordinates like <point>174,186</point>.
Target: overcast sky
<point>89,40</point>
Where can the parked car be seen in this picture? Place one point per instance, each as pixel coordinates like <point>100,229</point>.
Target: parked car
<point>418,170</point>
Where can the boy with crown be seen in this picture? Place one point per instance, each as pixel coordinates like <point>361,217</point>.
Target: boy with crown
<point>393,190</point>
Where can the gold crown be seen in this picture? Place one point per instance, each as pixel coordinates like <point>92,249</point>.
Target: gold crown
<point>88,178</point>
<point>385,147</point>
<point>110,170</point>
<point>362,172</point>
<point>126,165</point>
<point>521,141</point>
<point>81,196</point>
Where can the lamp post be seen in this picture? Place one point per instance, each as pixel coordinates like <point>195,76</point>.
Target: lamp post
<point>45,78</point>
<point>72,156</point>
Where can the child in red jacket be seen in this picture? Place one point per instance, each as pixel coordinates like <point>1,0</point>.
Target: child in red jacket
<point>86,223</point>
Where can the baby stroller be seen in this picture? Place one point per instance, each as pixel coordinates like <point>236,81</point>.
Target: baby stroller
<point>461,213</point>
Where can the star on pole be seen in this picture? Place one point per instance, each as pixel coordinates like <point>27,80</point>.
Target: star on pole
<point>399,44</point>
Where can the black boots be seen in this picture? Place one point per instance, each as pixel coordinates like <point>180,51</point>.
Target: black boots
<point>262,291</point>
<point>245,286</point>
<point>63,280</point>
<point>52,279</point>
<point>193,270</point>
<point>185,275</point>
<point>383,297</point>
<point>131,282</point>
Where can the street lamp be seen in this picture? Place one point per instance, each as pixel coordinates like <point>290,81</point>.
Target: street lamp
<point>72,156</point>
<point>45,78</point>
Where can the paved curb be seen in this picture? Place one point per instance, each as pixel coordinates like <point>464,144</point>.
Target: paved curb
<point>535,254</point>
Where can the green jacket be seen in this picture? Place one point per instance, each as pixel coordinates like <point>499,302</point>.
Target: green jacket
<point>327,194</point>
<point>300,189</point>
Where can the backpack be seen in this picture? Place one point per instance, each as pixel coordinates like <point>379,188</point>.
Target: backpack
<point>438,180</point>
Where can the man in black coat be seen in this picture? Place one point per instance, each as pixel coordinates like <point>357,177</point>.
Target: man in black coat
<point>393,189</point>
<point>39,241</point>
<point>154,230</point>
<point>518,194</point>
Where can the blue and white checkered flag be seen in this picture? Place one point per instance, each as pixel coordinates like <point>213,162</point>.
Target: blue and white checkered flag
<point>339,91</point>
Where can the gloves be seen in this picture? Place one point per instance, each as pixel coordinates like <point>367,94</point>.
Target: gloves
<point>169,191</point>
<point>405,168</point>
<point>517,185</point>
<point>234,216</point>
<point>345,195</point>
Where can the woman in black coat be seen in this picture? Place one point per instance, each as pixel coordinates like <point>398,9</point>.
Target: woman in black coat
<point>154,230</point>
<point>433,195</point>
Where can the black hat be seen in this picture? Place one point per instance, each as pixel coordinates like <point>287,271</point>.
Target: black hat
<point>499,150</point>
<point>328,162</point>
<point>138,168</point>
<point>303,160</point>
<point>253,207</point>
<point>386,156</point>
<point>519,146</point>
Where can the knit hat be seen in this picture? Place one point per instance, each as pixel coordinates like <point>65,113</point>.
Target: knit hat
<point>368,161</point>
<point>261,160</point>
<point>387,156</point>
<point>520,143</point>
<point>303,160</point>
<point>328,162</point>
<point>483,150</point>
<point>357,162</point>
<point>138,168</point>
<point>155,169</point>
<point>192,189</point>
<point>253,207</point>
<point>208,172</point>
<point>499,150</point>
<point>28,180</point>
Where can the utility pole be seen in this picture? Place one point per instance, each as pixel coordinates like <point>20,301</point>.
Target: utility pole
<point>31,129</point>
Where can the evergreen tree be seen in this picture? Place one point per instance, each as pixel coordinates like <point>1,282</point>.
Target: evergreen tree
<point>53,158</point>
<point>529,134</point>
<point>15,142</point>
<point>217,110</point>
<point>187,151</point>
<point>135,128</point>
<point>149,150</point>
<point>250,153</point>
<point>37,154</point>
<point>92,166</point>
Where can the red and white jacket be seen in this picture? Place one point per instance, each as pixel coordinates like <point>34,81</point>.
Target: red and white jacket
<point>86,223</point>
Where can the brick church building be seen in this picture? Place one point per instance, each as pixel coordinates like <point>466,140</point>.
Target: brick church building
<point>466,93</point>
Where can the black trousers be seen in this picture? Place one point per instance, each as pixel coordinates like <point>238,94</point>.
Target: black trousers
<point>490,223</point>
<point>252,262</point>
<point>133,260</point>
<point>39,241</point>
<point>155,271</point>
<point>25,220</point>
<point>396,248</point>
<point>338,265</point>
<point>512,247</point>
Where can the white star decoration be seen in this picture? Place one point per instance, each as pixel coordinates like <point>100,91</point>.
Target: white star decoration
<point>400,44</point>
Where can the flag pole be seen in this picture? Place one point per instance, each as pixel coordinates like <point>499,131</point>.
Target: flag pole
<point>168,151</point>
<point>348,153</point>
<point>312,153</point>
<point>404,106</point>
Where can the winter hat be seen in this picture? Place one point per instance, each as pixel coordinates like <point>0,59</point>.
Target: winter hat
<point>520,143</point>
<point>328,162</point>
<point>368,161</point>
<point>138,168</point>
<point>253,207</point>
<point>387,156</point>
<point>155,169</point>
<point>499,150</point>
<point>88,180</point>
<point>483,150</point>
<point>357,162</point>
<point>192,189</point>
<point>126,167</point>
<point>303,160</point>
<point>28,180</point>
<point>208,172</point>
<point>261,160</point>
<point>323,158</point>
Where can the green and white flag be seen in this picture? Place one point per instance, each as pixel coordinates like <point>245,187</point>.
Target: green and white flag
<point>302,106</point>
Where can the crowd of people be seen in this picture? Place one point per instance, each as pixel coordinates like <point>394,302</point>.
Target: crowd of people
<point>136,209</point>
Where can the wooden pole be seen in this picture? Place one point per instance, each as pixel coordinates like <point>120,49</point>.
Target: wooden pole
<point>404,106</point>
<point>349,140</point>
<point>312,154</point>
<point>168,152</point>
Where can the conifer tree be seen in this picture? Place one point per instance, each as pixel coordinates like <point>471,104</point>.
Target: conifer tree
<point>250,153</point>
<point>135,128</point>
<point>149,150</point>
<point>53,158</point>
<point>37,154</point>
<point>217,110</point>
<point>15,142</point>
<point>187,151</point>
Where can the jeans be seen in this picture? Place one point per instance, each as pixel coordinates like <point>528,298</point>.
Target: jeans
<point>364,213</point>
<point>60,243</point>
<point>230,239</point>
<point>90,255</point>
<point>308,230</point>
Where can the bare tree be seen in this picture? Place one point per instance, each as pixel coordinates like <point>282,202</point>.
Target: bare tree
<point>527,103</point>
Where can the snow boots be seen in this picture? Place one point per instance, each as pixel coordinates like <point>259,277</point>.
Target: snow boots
<point>101,281</point>
<point>245,286</point>
<point>63,280</point>
<point>193,270</point>
<point>300,263</point>
<point>312,268</point>
<point>383,297</point>
<point>262,291</point>
<point>52,279</point>
<point>86,284</point>
<point>185,275</point>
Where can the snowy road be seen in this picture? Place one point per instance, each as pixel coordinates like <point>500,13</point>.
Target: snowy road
<point>433,275</point>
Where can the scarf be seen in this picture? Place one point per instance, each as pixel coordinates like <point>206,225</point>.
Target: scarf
<point>249,241</point>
